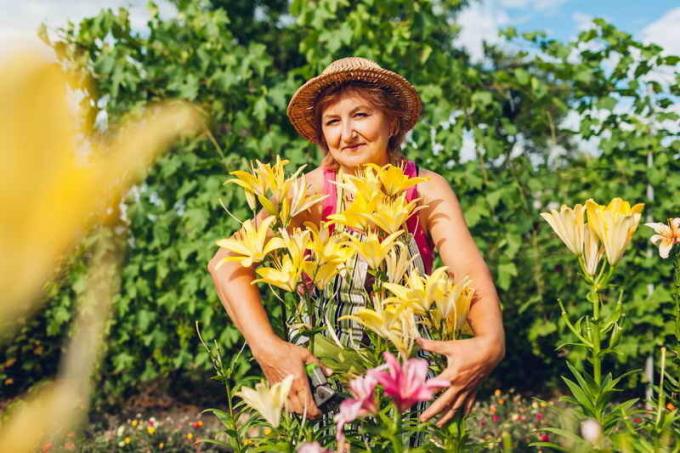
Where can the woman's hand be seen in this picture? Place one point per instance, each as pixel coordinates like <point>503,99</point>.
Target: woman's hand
<point>278,359</point>
<point>469,361</point>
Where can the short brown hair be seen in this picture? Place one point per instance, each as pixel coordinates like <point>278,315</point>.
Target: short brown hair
<point>380,97</point>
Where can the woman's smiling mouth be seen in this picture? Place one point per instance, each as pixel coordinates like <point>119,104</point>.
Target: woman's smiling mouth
<point>353,147</point>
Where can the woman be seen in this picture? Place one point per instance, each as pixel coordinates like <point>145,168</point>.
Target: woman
<point>359,113</point>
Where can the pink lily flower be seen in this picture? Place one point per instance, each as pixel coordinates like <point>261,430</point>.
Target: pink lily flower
<point>406,383</point>
<point>361,404</point>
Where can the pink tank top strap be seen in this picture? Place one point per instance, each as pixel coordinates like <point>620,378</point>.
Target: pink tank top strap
<point>329,188</point>
<point>423,240</point>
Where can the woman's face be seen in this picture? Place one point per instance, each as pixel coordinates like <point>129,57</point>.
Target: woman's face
<point>356,132</point>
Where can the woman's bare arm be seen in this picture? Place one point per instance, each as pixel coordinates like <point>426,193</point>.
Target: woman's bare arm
<point>471,359</point>
<point>241,300</point>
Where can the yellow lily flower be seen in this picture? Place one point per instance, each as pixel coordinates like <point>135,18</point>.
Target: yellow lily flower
<point>390,215</point>
<point>393,179</point>
<point>614,225</point>
<point>330,254</point>
<point>453,309</point>
<point>300,200</point>
<point>285,274</point>
<point>251,184</point>
<point>666,235</point>
<point>250,243</point>
<point>364,183</point>
<point>394,324</point>
<point>372,249</point>
<point>397,262</point>
<point>569,225</point>
<point>268,401</point>
<point>420,291</point>
<point>287,270</point>
<point>354,215</point>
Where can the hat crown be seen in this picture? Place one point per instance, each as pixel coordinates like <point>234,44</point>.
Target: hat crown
<point>350,63</point>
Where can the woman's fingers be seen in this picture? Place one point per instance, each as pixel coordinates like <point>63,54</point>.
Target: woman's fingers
<point>461,401</point>
<point>445,400</point>
<point>472,399</point>
<point>304,393</point>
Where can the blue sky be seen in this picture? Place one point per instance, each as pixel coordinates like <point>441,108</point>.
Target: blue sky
<point>651,20</point>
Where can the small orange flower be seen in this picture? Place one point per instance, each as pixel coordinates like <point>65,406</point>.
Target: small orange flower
<point>497,392</point>
<point>670,406</point>
<point>197,424</point>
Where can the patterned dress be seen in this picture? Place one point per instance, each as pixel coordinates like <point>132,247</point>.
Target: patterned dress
<point>349,291</point>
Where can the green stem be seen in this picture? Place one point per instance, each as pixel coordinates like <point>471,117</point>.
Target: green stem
<point>596,360</point>
<point>662,394</point>
<point>676,293</point>
<point>396,438</point>
<point>312,321</point>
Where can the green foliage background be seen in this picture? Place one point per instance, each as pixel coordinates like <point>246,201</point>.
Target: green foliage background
<point>242,68</point>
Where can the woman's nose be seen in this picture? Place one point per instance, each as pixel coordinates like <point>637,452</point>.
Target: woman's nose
<point>348,132</point>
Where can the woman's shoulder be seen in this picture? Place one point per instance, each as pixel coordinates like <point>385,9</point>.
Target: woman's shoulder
<point>434,186</point>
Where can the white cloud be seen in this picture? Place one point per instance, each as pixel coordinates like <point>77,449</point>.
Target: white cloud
<point>540,5</point>
<point>480,22</point>
<point>665,31</point>
<point>583,21</point>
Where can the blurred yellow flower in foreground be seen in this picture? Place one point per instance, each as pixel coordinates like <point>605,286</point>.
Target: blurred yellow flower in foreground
<point>50,189</point>
<point>268,401</point>
<point>614,225</point>
<point>667,235</point>
<point>56,180</point>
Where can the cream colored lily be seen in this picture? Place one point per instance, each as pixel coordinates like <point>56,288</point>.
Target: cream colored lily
<point>614,225</point>
<point>667,235</point>
<point>569,225</point>
<point>592,252</point>
<point>250,244</point>
<point>268,401</point>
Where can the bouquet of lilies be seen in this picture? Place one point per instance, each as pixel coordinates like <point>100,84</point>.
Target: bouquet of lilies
<point>402,300</point>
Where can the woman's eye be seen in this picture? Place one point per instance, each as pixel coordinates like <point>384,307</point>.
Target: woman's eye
<point>331,122</point>
<point>361,114</point>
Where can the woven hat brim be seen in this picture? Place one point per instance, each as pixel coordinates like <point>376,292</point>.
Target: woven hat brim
<point>301,107</point>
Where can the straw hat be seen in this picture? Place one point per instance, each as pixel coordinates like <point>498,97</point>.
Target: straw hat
<point>301,105</point>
